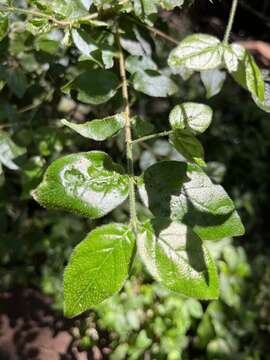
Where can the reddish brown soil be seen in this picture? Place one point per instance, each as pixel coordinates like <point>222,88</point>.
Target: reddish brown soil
<point>30,330</point>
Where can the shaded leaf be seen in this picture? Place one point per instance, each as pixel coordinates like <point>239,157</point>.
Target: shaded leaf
<point>94,86</point>
<point>175,256</point>
<point>98,267</point>
<point>194,116</point>
<point>89,184</point>
<point>197,52</point>
<point>183,192</point>
<point>154,84</point>
<point>188,145</point>
<point>213,81</point>
<point>98,129</point>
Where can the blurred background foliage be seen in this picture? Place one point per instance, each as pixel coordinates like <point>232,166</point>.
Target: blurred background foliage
<point>144,321</point>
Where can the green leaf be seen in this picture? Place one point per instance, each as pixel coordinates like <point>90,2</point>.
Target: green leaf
<point>98,129</point>
<point>183,192</point>
<point>98,267</point>
<point>197,52</point>
<point>265,104</point>
<point>94,49</point>
<point>94,86</point>
<point>46,44</point>
<point>137,63</point>
<point>194,116</point>
<point>89,184</point>
<point>3,26</point>
<point>16,80</point>
<point>233,53</point>
<point>9,151</point>
<point>213,81</point>
<point>187,145</point>
<point>70,9</point>
<point>171,4</point>
<point>175,256</point>
<point>247,73</point>
<point>153,83</point>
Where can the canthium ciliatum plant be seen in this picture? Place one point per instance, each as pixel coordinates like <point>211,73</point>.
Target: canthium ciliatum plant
<point>186,207</point>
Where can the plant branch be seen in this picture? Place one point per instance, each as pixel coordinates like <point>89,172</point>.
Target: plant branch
<point>152,136</point>
<point>230,22</point>
<point>128,134</point>
<point>156,31</point>
<point>60,23</point>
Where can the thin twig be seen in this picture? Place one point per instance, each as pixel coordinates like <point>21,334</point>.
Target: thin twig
<point>128,134</point>
<point>230,22</point>
<point>152,136</point>
<point>35,13</point>
<point>155,31</point>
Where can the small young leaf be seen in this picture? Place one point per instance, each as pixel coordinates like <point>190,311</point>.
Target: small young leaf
<point>197,52</point>
<point>89,184</point>
<point>98,129</point>
<point>94,86</point>
<point>175,256</point>
<point>153,83</point>
<point>213,81</point>
<point>183,192</point>
<point>9,151</point>
<point>98,267</point>
<point>194,116</point>
<point>188,145</point>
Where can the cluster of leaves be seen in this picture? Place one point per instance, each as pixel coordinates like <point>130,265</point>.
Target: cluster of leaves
<point>146,319</point>
<point>185,207</point>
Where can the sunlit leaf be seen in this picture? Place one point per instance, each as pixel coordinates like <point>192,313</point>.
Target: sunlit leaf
<point>9,151</point>
<point>98,129</point>
<point>194,116</point>
<point>247,73</point>
<point>197,52</point>
<point>98,267</point>
<point>175,256</point>
<point>154,84</point>
<point>137,63</point>
<point>89,184</point>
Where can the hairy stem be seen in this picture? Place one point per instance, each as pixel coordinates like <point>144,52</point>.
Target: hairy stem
<point>128,134</point>
<point>152,136</point>
<point>60,23</point>
<point>230,22</point>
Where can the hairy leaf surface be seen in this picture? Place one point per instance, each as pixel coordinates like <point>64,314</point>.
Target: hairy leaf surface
<point>98,267</point>
<point>175,256</point>
<point>183,192</point>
